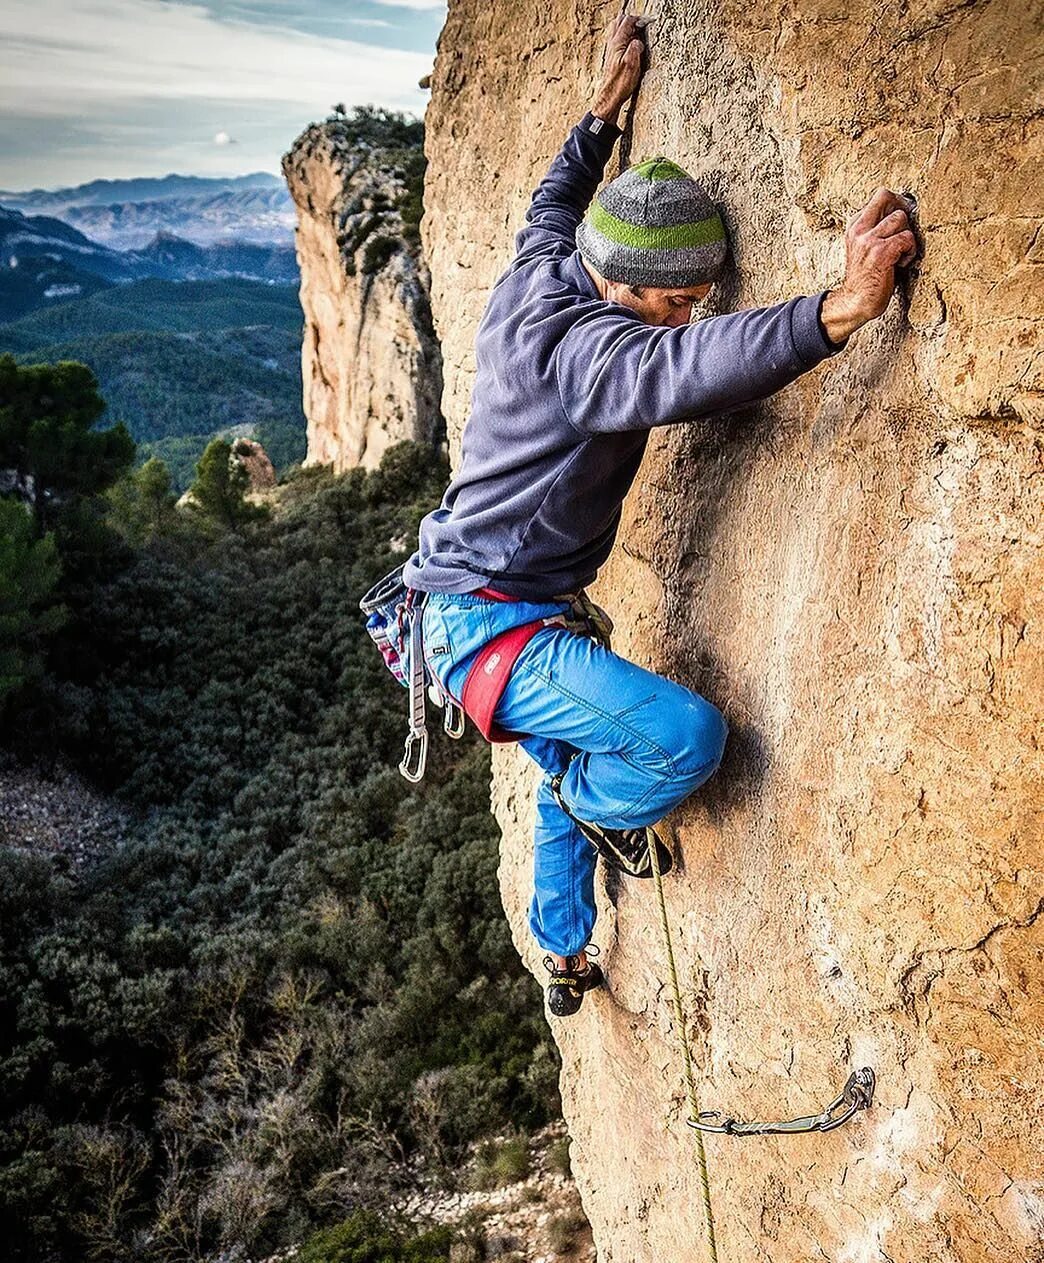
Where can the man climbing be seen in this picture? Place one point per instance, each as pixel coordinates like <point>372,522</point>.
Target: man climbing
<point>585,345</point>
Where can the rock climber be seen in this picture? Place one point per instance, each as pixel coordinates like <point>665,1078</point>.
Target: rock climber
<point>587,342</point>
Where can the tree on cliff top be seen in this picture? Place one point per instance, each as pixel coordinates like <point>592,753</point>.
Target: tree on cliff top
<point>219,492</point>
<point>373,125</point>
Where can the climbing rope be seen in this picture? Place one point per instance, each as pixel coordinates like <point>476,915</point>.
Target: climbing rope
<point>690,1081</point>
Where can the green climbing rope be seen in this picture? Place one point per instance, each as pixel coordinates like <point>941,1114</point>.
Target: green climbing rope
<point>690,1082</point>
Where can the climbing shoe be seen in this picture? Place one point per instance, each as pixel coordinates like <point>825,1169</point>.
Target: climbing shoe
<point>625,849</point>
<point>565,991</point>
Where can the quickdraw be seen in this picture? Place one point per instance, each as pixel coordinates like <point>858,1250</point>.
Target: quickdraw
<point>856,1095</point>
<point>415,755</point>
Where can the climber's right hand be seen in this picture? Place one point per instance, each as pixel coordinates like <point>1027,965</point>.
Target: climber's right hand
<point>877,241</point>
<point>622,66</point>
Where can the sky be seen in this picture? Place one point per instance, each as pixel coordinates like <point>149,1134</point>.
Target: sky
<point>94,89</point>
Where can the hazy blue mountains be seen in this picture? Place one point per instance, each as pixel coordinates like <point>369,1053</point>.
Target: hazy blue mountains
<point>189,335</point>
<point>44,260</point>
<point>127,214</point>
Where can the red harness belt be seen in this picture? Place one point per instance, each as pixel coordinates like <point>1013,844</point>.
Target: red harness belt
<point>489,673</point>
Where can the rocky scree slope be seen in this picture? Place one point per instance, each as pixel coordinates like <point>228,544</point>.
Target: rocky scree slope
<point>370,360</point>
<point>852,571</point>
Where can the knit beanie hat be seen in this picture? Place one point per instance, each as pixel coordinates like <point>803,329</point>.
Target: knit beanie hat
<point>654,225</point>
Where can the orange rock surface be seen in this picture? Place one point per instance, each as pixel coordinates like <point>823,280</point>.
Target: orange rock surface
<point>852,571</point>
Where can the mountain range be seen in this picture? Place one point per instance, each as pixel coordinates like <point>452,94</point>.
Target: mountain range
<point>127,214</point>
<point>44,260</point>
<point>190,333</point>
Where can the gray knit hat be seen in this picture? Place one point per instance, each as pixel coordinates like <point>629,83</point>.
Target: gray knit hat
<point>654,225</point>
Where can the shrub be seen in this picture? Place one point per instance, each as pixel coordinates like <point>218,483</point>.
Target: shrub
<point>558,1157</point>
<point>377,252</point>
<point>295,969</point>
<point>500,1162</point>
<point>29,572</point>
<point>564,1231</point>
<point>366,1238</point>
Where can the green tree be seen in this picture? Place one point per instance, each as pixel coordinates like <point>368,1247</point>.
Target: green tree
<point>143,503</point>
<point>219,492</point>
<point>29,571</point>
<point>47,435</point>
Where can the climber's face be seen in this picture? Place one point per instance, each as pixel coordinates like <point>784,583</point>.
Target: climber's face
<point>670,307</point>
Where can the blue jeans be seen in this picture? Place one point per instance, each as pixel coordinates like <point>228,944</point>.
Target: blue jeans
<point>632,744</point>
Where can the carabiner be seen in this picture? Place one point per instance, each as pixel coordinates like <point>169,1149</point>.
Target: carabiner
<point>415,757</point>
<point>452,719</point>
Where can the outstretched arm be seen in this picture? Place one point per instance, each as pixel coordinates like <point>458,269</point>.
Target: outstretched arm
<point>566,191</point>
<point>617,373</point>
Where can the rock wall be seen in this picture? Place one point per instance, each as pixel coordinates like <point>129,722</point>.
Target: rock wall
<point>370,361</point>
<point>852,571</point>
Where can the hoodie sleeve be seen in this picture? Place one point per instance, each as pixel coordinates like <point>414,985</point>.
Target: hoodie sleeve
<point>565,193</point>
<point>617,373</point>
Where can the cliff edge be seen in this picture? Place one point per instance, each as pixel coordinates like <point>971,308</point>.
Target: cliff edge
<point>371,365</point>
<point>852,572</point>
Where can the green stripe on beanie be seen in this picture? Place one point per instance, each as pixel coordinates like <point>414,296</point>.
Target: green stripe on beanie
<point>677,237</point>
<point>654,225</point>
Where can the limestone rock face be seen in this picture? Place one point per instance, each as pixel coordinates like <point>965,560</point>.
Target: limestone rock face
<point>852,572</point>
<point>370,362</point>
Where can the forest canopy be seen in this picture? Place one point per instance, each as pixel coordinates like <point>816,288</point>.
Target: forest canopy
<point>291,972</point>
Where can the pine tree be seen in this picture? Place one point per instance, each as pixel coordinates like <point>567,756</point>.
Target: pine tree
<point>219,492</point>
<point>47,436</point>
<point>29,571</point>
<point>143,503</point>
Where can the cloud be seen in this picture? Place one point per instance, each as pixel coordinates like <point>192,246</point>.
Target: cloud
<point>414,4</point>
<point>66,59</point>
<point>368,22</point>
<point>223,138</point>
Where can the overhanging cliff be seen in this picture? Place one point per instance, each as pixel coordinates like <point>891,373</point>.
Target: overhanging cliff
<point>853,573</point>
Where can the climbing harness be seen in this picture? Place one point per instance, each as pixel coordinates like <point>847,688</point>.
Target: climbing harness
<point>394,618</point>
<point>394,621</point>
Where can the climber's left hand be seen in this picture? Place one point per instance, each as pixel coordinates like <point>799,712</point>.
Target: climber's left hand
<point>622,67</point>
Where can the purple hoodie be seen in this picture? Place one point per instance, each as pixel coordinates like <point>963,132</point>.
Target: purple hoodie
<point>567,387</point>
